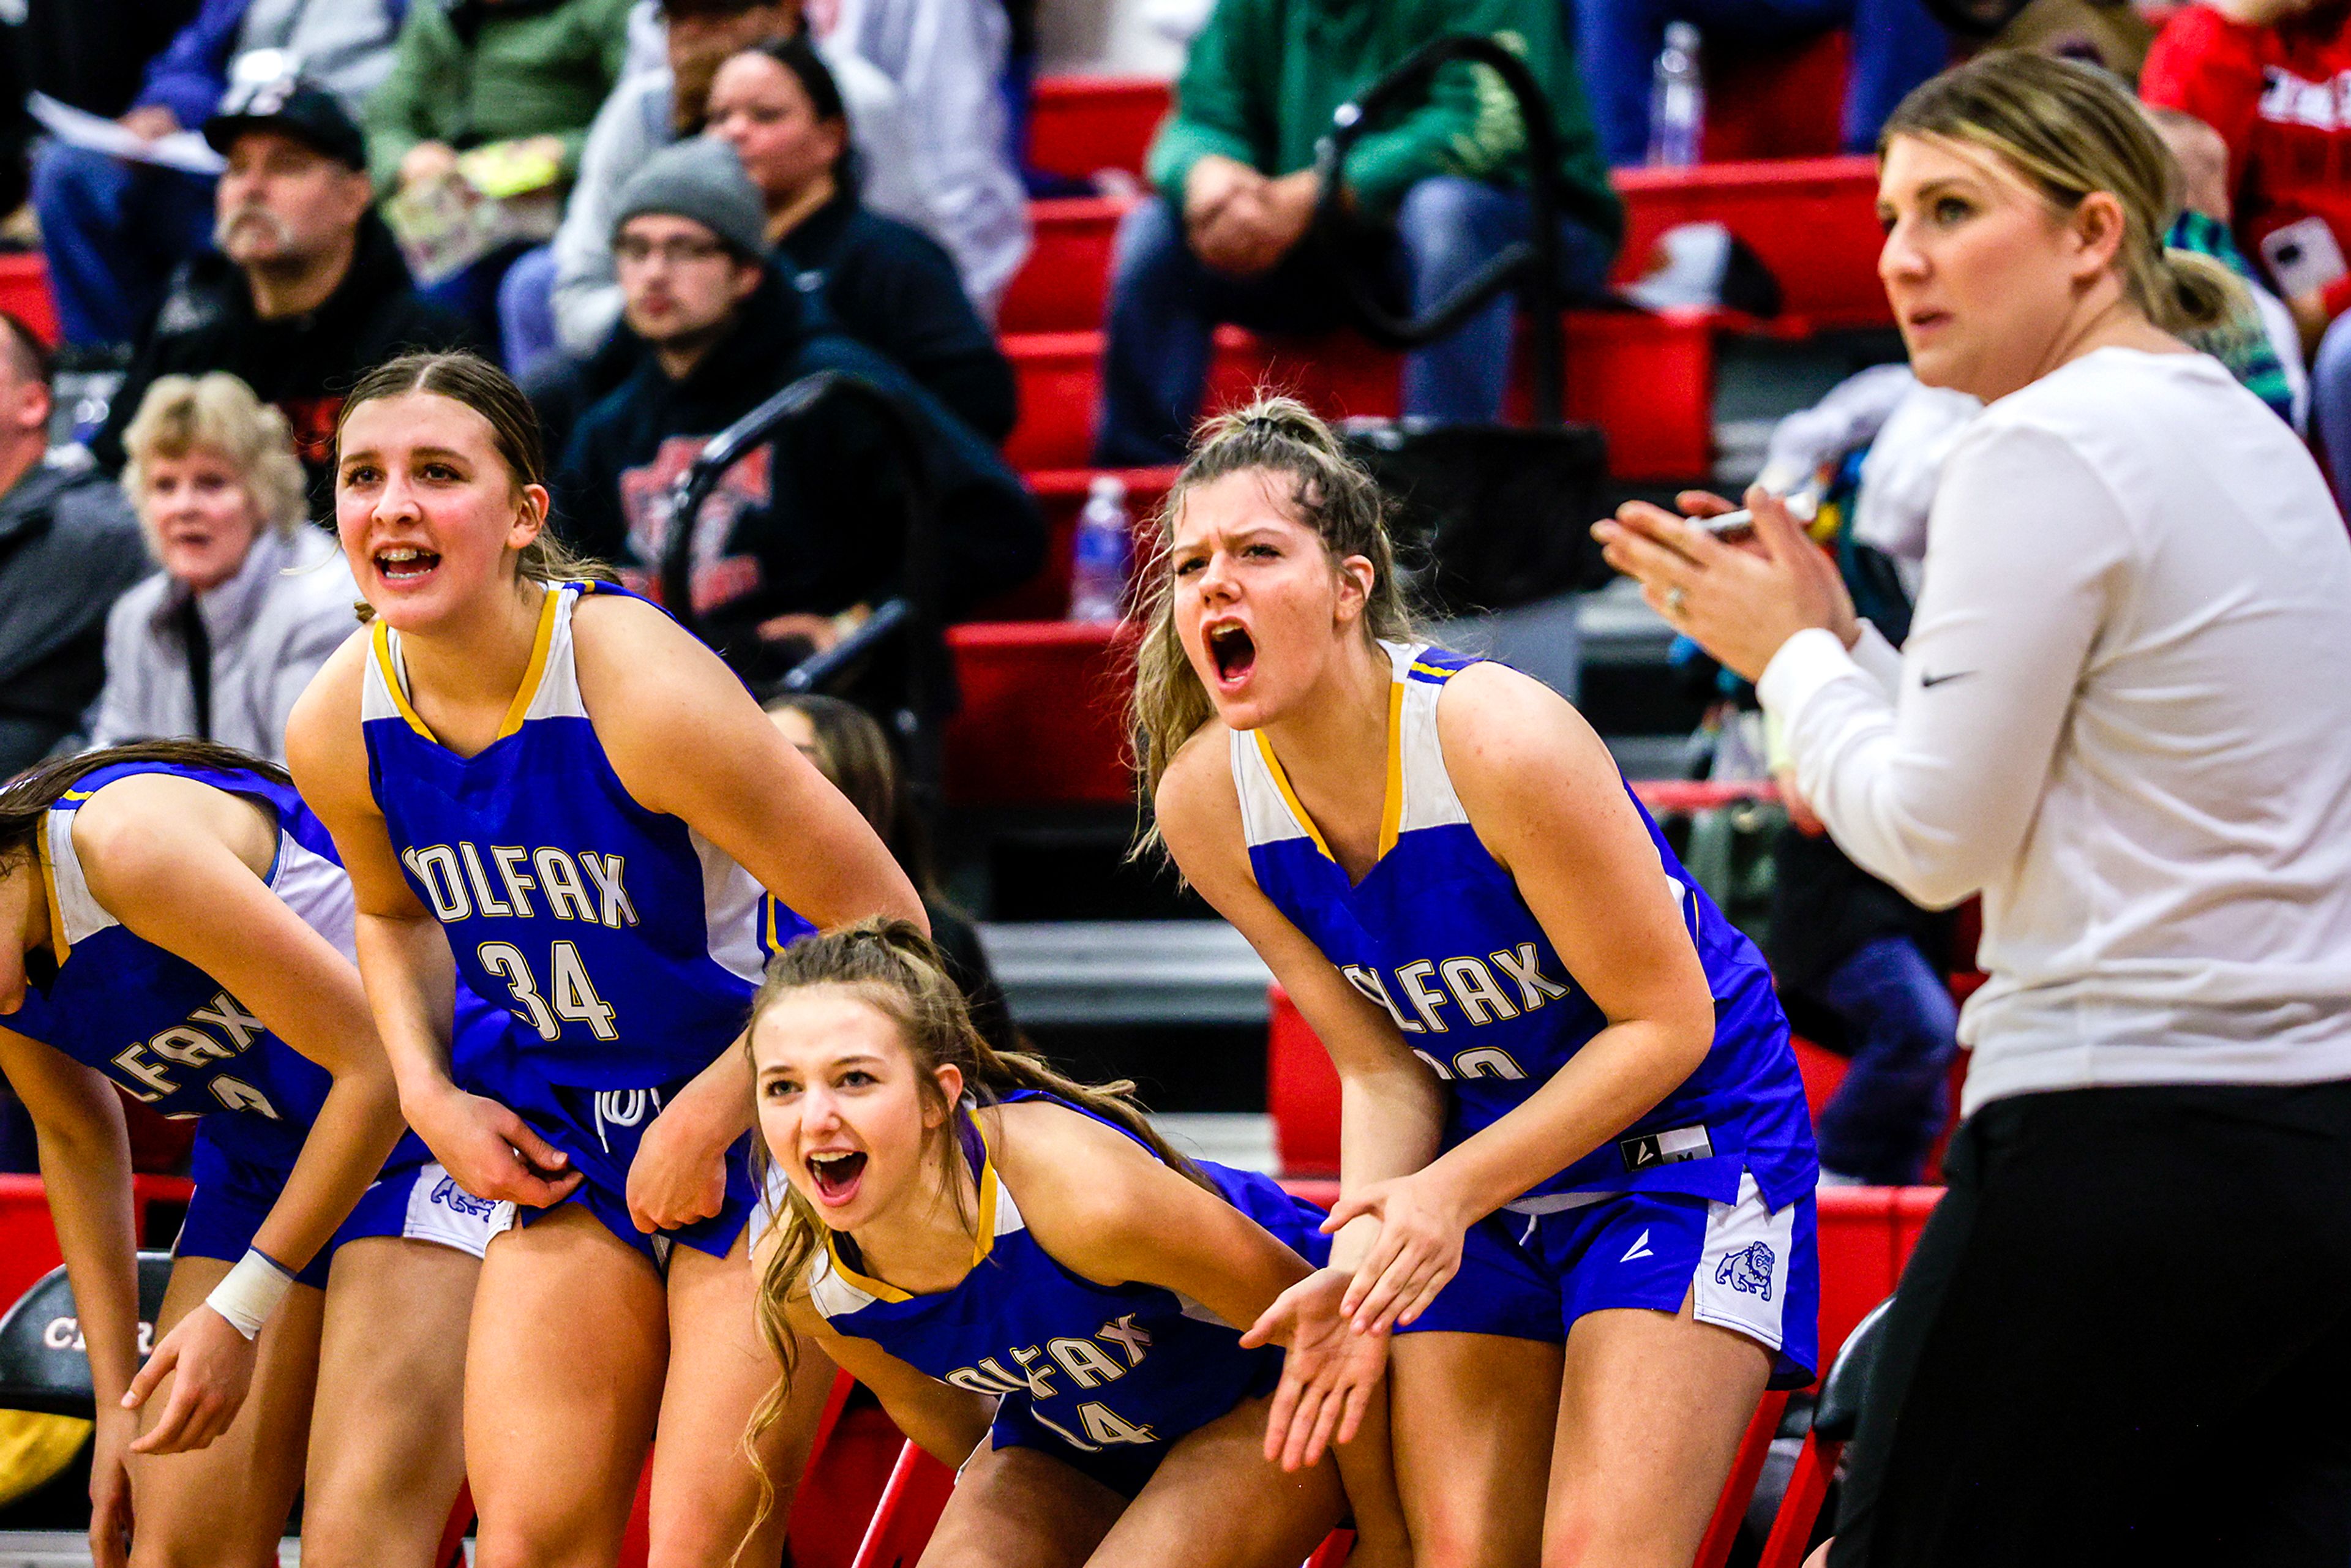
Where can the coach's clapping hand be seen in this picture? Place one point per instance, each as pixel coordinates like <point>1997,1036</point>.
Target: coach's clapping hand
<point>210,1364</point>
<point>491,1152</point>
<point>1418,1249</point>
<point>1739,602</point>
<point>679,1175</point>
<point>1329,1376</point>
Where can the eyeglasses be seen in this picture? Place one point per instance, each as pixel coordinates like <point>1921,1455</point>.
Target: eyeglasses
<point>629,250</point>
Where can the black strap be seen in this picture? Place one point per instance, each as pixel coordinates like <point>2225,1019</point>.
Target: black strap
<point>199,643</point>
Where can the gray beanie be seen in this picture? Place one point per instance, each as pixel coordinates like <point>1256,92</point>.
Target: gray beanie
<point>702,180</point>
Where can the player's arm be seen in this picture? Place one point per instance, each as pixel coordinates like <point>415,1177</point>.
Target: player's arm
<point>945,1422</point>
<point>410,978</point>
<point>685,738</point>
<point>85,1153</point>
<point>180,864</point>
<point>1101,1205</point>
<point>1544,797</point>
<point>1392,1108</point>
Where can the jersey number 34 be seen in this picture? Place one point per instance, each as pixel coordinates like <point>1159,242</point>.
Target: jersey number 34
<point>570,996</point>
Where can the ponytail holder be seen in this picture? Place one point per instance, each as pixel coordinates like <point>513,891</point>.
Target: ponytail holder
<point>1265,423</point>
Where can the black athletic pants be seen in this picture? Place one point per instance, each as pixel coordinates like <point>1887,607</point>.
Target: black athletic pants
<point>2124,1337</point>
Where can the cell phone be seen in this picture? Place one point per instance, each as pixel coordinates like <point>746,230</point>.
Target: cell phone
<point>2303,256</point>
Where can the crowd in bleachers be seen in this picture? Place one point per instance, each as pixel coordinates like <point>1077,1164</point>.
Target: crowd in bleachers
<point>700,203</point>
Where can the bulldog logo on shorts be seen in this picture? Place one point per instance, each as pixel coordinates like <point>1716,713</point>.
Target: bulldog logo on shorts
<point>1748,1269</point>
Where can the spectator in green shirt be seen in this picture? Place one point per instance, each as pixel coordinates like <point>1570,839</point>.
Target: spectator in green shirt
<point>1437,192</point>
<point>470,73</point>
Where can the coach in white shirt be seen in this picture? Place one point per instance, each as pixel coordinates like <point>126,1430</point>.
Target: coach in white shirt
<point>2123,717</point>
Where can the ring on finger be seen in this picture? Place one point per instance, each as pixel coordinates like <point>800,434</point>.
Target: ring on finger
<point>1674,598</point>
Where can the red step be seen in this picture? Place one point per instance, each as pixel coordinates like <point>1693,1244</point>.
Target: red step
<point>1061,494</point>
<point>1812,221</point>
<point>1079,124</point>
<point>1786,102</point>
<point>25,294</point>
<point>1042,721</point>
<point>1646,379</point>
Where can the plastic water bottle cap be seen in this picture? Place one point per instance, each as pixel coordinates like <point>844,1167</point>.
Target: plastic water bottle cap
<point>1682,35</point>
<point>1106,487</point>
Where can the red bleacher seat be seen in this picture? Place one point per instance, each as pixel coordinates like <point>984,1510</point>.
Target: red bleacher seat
<point>1042,717</point>
<point>1646,379</point>
<point>1786,102</point>
<point>25,294</point>
<point>1064,285</point>
<point>1061,494</point>
<point>1813,221</point>
<point>28,1242</point>
<point>1079,124</point>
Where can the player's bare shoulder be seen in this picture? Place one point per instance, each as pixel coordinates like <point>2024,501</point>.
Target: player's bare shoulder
<point>323,746</point>
<point>1197,805</point>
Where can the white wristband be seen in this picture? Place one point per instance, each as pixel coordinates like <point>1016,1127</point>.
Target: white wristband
<point>251,1292</point>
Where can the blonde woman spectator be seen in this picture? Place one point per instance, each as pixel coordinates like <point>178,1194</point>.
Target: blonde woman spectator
<point>251,599</point>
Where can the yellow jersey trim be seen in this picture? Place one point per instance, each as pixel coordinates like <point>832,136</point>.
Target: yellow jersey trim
<point>982,1244</point>
<point>1392,803</point>
<point>1391,797</point>
<point>381,641</point>
<point>535,673</point>
<point>58,943</point>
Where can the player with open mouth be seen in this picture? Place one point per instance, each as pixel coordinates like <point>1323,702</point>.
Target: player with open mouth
<point>1576,1147</point>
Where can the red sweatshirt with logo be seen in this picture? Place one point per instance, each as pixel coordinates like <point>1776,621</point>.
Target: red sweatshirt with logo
<point>2280,97</point>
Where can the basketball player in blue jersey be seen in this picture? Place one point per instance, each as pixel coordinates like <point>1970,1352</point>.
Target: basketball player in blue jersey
<point>173,924</point>
<point>1575,1150</point>
<point>1034,1283</point>
<point>548,788</point>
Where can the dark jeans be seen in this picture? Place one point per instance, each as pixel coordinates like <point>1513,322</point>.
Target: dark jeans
<point>1165,304</point>
<point>2125,1337</point>
<point>114,233</point>
<point>1897,44</point>
<point>1904,1030</point>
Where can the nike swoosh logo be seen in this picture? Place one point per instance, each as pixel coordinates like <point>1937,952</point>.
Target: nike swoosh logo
<point>1927,681</point>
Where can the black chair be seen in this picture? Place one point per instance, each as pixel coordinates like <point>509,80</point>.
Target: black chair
<point>1834,1416</point>
<point>43,1366</point>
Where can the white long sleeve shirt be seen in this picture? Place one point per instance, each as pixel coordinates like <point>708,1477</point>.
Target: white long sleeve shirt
<point>2124,715</point>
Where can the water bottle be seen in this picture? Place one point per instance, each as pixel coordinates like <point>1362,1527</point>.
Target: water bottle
<point>1098,556</point>
<point>1676,100</point>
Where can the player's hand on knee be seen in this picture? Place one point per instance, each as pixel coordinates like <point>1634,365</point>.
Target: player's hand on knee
<point>1417,1251</point>
<point>211,1366</point>
<point>109,1488</point>
<point>679,1175</point>
<point>1329,1376</point>
<point>492,1153</point>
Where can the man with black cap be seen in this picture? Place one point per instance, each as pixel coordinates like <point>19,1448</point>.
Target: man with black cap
<point>798,540</point>
<point>307,289</point>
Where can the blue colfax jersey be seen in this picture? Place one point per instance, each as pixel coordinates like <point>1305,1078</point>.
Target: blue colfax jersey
<point>164,1031</point>
<point>626,944</point>
<point>1102,1365</point>
<point>1437,935</point>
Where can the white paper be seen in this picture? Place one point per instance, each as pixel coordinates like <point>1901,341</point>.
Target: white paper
<point>183,150</point>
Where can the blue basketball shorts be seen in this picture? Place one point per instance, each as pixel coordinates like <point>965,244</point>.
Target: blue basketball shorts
<point>1741,1265</point>
<point>413,1197</point>
<point>599,1129</point>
